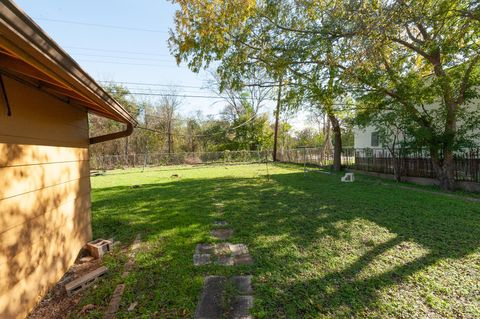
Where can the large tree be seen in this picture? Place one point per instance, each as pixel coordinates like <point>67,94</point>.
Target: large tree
<point>246,35</point>
<point>418,60</point>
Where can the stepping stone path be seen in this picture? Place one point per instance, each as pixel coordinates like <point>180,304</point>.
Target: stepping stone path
<point>220,223</point>
<point>222,233</point>
<point>224,254</point>
<point>215,303</point>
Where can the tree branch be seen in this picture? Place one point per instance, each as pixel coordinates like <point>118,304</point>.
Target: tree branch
<point>466,78</point>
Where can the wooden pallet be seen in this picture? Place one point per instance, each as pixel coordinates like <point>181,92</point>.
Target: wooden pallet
<point>85,281</point>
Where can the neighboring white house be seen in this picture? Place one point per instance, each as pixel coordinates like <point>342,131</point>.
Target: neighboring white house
<point>366,138</point>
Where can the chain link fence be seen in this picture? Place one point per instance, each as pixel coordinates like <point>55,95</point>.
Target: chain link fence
<point>108,162</point>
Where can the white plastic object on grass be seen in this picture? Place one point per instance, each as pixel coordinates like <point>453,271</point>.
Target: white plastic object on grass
<point>348,178</point>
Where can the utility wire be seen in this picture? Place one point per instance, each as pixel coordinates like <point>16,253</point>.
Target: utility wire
<point>184,95</point>
<point>199,135</point>
<point>97,25</point>
<point>154,84</point>
<point>116,51</point>
<point>122,57</point>
<point>138,64</point>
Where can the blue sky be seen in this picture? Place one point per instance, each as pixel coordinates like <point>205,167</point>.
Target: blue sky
<point>124,55</point>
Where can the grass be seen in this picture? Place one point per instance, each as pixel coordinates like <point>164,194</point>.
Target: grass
<point>322,248</point>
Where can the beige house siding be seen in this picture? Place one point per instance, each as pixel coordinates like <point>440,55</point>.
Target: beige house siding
<point>44,194</point>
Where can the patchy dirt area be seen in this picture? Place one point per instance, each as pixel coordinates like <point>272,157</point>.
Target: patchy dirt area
<point>57,304</point>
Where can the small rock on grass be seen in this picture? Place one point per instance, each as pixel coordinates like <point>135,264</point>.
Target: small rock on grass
<point>132,306</point>
<point>87,308</point>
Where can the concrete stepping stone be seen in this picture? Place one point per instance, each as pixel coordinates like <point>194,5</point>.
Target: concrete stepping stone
<point>222,249</point>
<point>243,284</point>
<point>222,233</point>
<point>238,249</point>
<point>219,223</point>
<point>225,260</point>
<point>210,305</point>
<point>214,305</point>
<point>225,254</point>
<point>205,249</point>
<point>201,259</point>
<point>243,259</point>
<point>241,307</point>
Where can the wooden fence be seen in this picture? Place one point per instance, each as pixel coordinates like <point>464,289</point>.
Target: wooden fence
<point>410,163</point>
<point>414,163</point>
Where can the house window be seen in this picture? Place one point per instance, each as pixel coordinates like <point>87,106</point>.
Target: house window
<point>374,141</point>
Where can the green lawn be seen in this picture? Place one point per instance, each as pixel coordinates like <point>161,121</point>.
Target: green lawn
<point>322,248</point>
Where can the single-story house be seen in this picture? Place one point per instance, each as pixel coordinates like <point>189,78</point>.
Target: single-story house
<point>45,98</point>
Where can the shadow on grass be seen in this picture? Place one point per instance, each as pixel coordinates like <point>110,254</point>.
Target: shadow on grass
<point>320,246</point>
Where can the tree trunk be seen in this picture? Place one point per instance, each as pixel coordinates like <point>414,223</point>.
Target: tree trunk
<point>337,143</point>
<point>444,169</point>
<point>327,145</point>
<point>277,116</point>
<point>169,141</point>
<point>126,151</point>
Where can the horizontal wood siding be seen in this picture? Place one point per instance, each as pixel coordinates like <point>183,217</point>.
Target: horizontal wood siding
<point>44,195</point>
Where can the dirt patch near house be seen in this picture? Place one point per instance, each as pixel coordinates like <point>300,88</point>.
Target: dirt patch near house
<point>57,304</point>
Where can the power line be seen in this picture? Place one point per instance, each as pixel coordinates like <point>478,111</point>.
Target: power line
<point>168,89</point>
<point>215,97</point>
<point>200,135</point>
<point>183,95</point>
<point>153,84</point>
<point>97,25</point>
<point>136,64</point>
<point>116,51</point>
<point>121,57</point>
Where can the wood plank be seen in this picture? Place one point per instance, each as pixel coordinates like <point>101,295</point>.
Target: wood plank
<point>19,209</point>
<point>114,304</point>
<point>85,281</point>
<point>27,154</point>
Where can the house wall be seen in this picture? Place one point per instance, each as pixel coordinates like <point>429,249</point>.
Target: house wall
<point>44,194</point>
<point>363,137</point>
